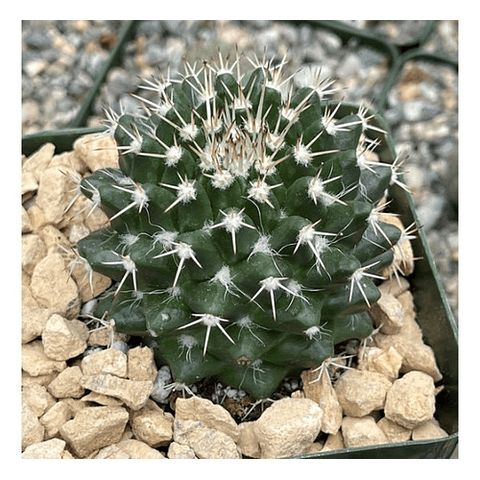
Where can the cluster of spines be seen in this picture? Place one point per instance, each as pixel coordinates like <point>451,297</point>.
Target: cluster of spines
<point>250,165</point>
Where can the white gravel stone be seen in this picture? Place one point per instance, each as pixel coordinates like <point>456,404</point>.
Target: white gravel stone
<point>408,342</point>
<point>403,257</point>
<point>416,356</point>
<point>27,297</point>
<point>111,452</point>
<point>44,380</point>
<point>36,217</point>
<point>68,162</point>
<point>394,286</point>
<point>96,219</point>
<point>420,357</point>
<point>164,377</point>
<point>35,67</point>
<point>410,327</point>
<point>76,232</point>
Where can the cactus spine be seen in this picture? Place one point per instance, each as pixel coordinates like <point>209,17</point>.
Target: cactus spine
<point>245,230</point>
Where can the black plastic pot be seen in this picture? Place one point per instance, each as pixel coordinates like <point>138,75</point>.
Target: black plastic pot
<point>433,312</point>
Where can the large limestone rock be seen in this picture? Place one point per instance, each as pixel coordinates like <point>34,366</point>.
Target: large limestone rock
<point>50,449</point>
<point>411,400</point>
<point>387,362</point>
<point>360,432</point>
<point>429,431</point>
<point>53,287</point>
<point>37,398</point>
<point>131,392</point>
<point>96,152</point>
<point>94,428</point>
<point>213,416</point>
<point>34,320</point>
<point>334,442</point>
<point>36,363</point>
<point>64,339</point>
<point>360,392</point>
<point>152,425</point>
<point>54,194</point>
<point>67,384</point>
<point>56,416</point>
<point>141,364</point>
<point>39,161</point>
<point>288,427</point>
<point>394,431</point>
<point>248,442</point>
<point>33,250</point>
<point>321,391</point>
<point>109,360</point>
<point>388,314</point>
<point>129,449</point>
<point>206,443</point>
<point>177,451</point>
<point>32,430</point>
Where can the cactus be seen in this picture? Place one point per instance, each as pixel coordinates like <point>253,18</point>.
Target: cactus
<point>245,229</point>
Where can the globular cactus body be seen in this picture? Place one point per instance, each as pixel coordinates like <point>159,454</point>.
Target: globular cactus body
<point>244,225</point>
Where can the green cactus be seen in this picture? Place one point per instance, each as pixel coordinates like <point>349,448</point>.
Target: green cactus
<point>244,231</point>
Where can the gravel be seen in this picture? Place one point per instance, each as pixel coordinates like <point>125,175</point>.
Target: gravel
<point>62,58</point>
